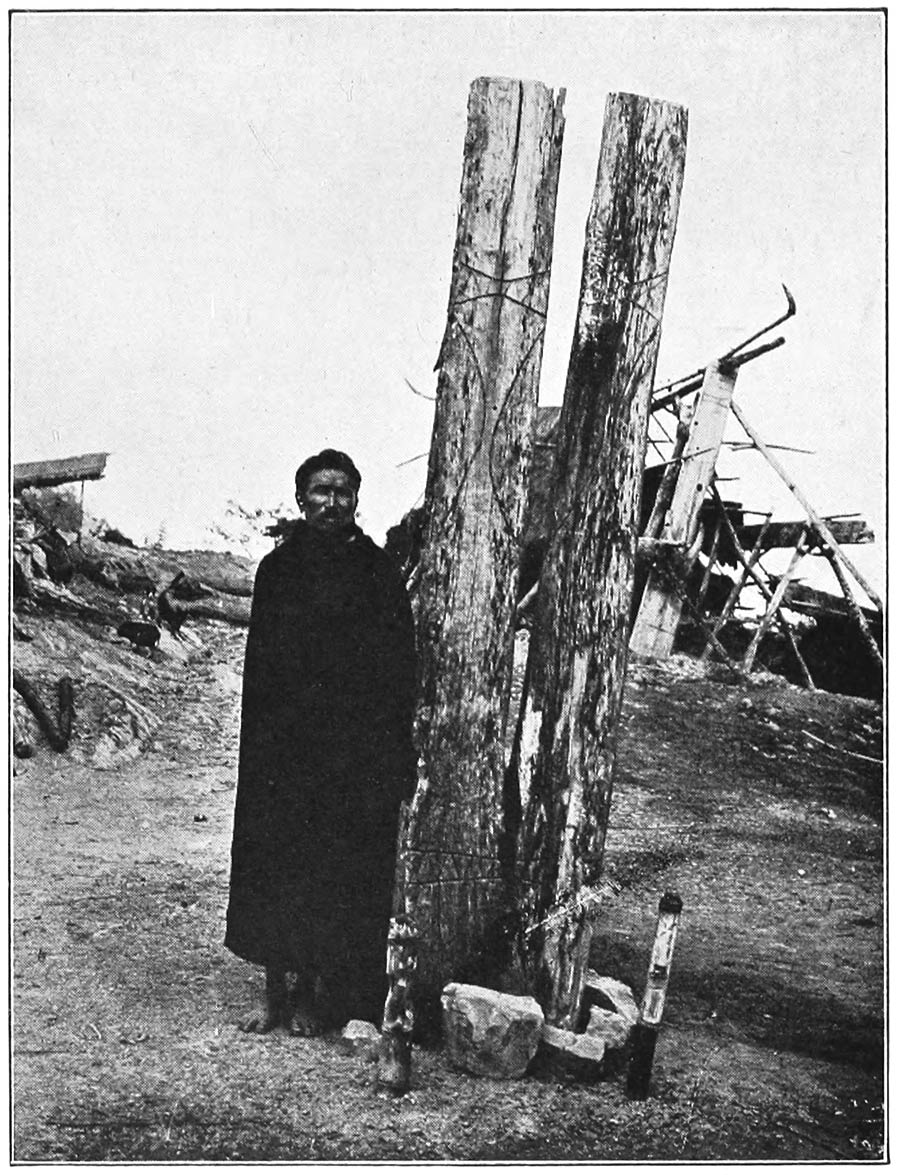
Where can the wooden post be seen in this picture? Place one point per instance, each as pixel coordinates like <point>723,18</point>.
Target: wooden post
<point>658,615</point>
<point>486,401</point>
<point>586,583</point>
<point>651,1013</point>
<point>394,1068</point>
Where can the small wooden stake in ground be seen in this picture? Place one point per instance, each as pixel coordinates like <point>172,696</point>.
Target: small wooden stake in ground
<point>586,583</point>
<point>394,1071</point>
<point>644,1037</point>
<point>486,401</point>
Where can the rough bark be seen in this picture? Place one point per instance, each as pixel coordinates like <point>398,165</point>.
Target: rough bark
<point>58,730</point>
<point>487,391</point>
<point>581,642</point>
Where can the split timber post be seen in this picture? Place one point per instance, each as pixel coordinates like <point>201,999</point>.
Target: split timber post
<point>580,641</point>
<point>487,391</point>
<point>659,612</point>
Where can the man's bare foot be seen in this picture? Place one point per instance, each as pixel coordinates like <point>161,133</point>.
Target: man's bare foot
<point>304,1022</point>
<point>275,1011</point>
<point>261,1021</point>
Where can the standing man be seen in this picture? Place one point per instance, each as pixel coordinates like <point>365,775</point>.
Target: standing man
<point>326,756</point>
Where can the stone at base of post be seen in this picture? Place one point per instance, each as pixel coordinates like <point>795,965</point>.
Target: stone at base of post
<point>394,1067</point>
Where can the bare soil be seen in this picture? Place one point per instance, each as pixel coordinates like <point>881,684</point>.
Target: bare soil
<point>760,803</point>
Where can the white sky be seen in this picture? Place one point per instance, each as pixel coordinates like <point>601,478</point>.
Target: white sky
<point>232,236</point>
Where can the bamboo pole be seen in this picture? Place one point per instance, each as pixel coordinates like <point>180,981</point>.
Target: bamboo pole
<point>818,522</point>
<point>479,456</point>
<point>583,603</point>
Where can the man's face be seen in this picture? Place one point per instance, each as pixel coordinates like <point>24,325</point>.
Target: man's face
<point>328,501</point>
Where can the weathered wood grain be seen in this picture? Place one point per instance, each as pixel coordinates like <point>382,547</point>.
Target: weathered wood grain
<point>487,390</point>
<point>580,646</point>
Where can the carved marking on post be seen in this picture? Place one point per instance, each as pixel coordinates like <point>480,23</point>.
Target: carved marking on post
<point>580,643</point>
<point>487,391</point>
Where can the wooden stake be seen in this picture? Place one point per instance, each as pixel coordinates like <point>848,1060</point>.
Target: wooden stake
<point>486,401</point>
<point>658,615</point>
<point>645,1036</point>
<point>586,583</point>
<point>778,597</point>
<point>394,1068</point>
<point>819,523</point>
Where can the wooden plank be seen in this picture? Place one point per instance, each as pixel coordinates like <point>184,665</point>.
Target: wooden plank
<point>824,530</point>
<point>41,474</point>
<point>660,610</point>
<point>583,604</point>
<point>786,534</point>
<point>487,392</point>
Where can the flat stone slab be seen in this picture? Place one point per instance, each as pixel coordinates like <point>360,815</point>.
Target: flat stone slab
<point>490,1033</point>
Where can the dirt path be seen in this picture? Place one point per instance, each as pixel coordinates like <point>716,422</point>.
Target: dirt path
<point>125,1000</point>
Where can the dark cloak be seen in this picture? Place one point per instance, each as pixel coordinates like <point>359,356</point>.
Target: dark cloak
<point>326,756</point>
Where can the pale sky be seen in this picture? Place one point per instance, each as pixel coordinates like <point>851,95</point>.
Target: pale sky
<point>232,237</point>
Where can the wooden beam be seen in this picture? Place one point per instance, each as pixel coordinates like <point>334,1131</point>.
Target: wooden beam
<point>487,392</point>
<point>583,604</point>
<point>41,474</point>
<point>660,610</point>
<point>786,534</point>
<point>819,523</point>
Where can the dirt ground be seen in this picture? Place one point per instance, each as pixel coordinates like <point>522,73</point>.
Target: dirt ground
<point>760,804</point>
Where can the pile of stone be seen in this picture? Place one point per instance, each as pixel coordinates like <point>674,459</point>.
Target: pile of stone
<point>492,1034</point>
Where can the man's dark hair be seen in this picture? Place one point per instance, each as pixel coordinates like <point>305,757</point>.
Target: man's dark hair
<point>327,459</point>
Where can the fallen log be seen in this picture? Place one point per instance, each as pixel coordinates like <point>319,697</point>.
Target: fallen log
<point>40,474</point>
<point>59,599</point>
<point>58,730</point>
